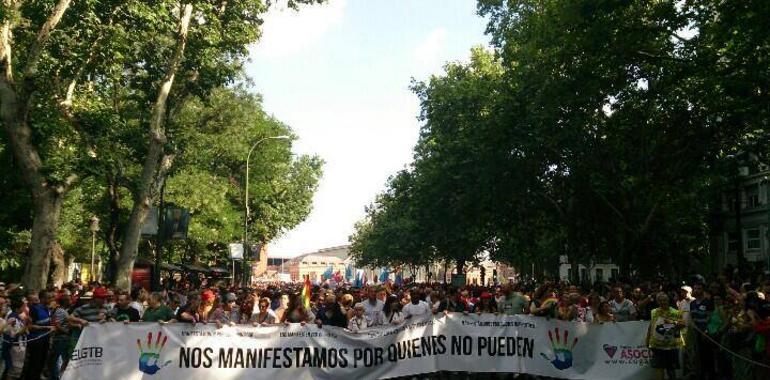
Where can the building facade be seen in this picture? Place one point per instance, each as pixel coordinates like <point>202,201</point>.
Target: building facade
<point>745,217</point>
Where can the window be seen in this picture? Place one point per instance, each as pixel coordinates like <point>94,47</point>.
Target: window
<point>314,263</point>
<point>569,273</point>
<point>732,242</point>
<point>615,273</point>
<point>599,274</point>
<point>752,196</point>
<point>752,239</point>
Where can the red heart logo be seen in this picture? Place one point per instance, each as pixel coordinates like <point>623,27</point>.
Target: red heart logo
<point>610,350</point>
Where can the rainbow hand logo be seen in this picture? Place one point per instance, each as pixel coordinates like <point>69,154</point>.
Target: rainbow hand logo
<point>562,353</point>
<point>149,356</point>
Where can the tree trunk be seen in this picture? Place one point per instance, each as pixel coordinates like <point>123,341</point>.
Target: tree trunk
<point>16,95</point>
<point>111,236</point>
<point>156,164</point>
<point>43,245</point>
<point>60,265</point>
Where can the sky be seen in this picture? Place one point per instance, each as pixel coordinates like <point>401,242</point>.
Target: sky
<point>338,74</point>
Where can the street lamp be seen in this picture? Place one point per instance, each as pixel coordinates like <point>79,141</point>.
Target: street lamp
<point>94,227</point>
<point>246,249</point>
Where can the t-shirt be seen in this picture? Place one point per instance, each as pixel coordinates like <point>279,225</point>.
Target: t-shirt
<point>700,312</point>
<point>59,319</point>
<point>513,305</point>
<point>38,315</point>
<point>373,312</point>
<point>160,313</point>
<point>665,334</point>
<point>225,316</point>
<point>14,324</point>
<point>416,310</point>
<point>121,315</point>
<point>138,306</point>
<point>269,317</point>
<point>622,310</point>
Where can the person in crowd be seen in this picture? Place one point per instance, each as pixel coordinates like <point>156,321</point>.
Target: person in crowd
<point>38,337</point>
<point>440,306</point>
<point>544,303</point>
<point>486,304</point>
<point>14,333</point>
<point>191,311</point>
<point>683,300</point>
<point>283,305</point>
<point>123,312</point>
<point>109,301</point>
<point>346,305</point>
<point>416,307</point>
<point>156,310</point>
<point>515,302</point>
<point>373,308</point>
<point>228,312</point>
<point>622,308</point>
<point>91,311</point>
<point>3,313</point>
<point>499,296</point>
<point>605,313</point>
<point>393,313</point>
<point>359,322</point>
<point>643,303</point>
<point>567,311</point>
<point>594,300</point>
<point>701,308</point>
<point>664,337</point>
<point>330,313</point>
<point>263,316</point>
<point>60,340</point>
<point>138,297</point>
<point>296,312</point>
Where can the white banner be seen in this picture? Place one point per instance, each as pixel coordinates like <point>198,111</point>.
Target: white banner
<point>457,342</point>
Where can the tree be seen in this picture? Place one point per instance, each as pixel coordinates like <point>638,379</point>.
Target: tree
<point>59,62</point>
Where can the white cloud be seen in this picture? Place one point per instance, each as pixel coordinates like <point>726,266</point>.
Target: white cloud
<point>428,54</point>
<point>287,32</point>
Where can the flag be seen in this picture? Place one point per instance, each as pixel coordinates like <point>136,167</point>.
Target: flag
<point>305,295</point>
<point>399,278</point>
<point>357,281</point>
<point>348,273</point>
<point>328,273</point>
<point>384,274</point>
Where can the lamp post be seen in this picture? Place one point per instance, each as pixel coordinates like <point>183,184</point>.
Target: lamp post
<point>94,227</point>
<point>246,248</point>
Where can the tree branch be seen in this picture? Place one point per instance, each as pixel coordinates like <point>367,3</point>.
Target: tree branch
<point>43,35</point>
<point>612,207</point>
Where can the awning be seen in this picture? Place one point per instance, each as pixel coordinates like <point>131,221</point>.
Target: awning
<point>170,267</point>
<point>219,270</point>
<point>195,268</point>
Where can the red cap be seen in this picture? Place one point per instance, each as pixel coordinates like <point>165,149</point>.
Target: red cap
<point>207,295</point>
<point>100,293</point>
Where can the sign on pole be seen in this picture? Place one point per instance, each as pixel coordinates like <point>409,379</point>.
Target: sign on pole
<point>236,251</point>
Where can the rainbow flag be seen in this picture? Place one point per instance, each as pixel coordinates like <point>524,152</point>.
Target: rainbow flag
<point>305,295</point>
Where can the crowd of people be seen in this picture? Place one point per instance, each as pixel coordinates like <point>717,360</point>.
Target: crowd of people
<point>700,330</point>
